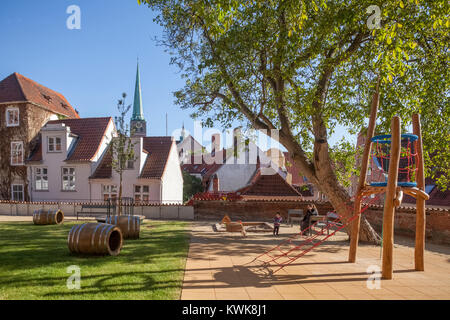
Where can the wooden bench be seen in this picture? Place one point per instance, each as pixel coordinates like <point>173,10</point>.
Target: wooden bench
<point>325,221</point>
<point>294,215</point>
<point>321,222</point>
<point>110,209</point>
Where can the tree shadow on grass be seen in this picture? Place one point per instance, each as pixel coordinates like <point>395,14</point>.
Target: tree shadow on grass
<point>32,251</point>
<point>144,283</point>
<point>26,247</point>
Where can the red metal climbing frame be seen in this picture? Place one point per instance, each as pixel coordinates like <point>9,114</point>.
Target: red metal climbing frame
<point>297,246</point>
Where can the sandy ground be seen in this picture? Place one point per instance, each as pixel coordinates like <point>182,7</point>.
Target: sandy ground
<point>218,268</point>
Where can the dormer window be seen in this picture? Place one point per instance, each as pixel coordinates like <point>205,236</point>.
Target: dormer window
<point>12,117</point>
<point>54,144</point>
<point>47,97</point>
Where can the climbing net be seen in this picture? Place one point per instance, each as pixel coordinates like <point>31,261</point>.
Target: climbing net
<point>380,157</point>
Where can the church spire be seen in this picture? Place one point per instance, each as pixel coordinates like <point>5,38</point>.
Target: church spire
<point>138,112</point>
<point>138,124</point>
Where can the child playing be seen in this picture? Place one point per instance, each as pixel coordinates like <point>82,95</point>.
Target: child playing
<point>276,224</point>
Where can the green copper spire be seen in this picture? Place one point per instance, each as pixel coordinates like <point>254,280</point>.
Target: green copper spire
<point>138,113</point>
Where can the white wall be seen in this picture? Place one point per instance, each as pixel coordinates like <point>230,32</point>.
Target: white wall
<point>55,161</point>
<point>128,184</point>
<point>234,176</point>
<point>237,171</point>
<point>172,179</point>
<point>55,192</point>
<point>189,146</point>
<point>130,178</point>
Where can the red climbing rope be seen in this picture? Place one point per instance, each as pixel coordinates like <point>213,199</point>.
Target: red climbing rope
<point>298,247</point>
<point>380,156</point>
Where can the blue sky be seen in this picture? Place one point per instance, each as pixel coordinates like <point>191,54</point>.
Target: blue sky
<point>92,66</point>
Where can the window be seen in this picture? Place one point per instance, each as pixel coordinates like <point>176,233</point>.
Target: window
<point>41,179</point>
<point>141,193</point>
<point>109,192</point>
<point>68,179</point>
<point>130,164</point>
<point>17,153</point>
<point>17,192</point>
<point>54,144</point>
<point>12,117</point>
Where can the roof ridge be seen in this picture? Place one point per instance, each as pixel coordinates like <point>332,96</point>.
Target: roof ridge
<point>41,85</point>
<point>78,119</point>
<point>38,88</point>
<point>157,137</point>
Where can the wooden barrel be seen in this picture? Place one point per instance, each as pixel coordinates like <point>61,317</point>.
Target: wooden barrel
<point>42,216</point>
<point>95,238</point>
<point>129,225</point>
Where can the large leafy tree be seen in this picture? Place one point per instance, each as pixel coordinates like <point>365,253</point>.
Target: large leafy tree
<point>305,66</point>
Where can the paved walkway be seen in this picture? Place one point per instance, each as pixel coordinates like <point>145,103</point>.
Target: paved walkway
<point>215,270</point>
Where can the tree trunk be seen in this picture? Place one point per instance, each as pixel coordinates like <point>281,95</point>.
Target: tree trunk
<point>119,210</point>
<point>343,205</point>
<point>324,177</point>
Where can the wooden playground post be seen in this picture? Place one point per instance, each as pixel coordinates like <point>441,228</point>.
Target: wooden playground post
<point>420,202</point>
<point>354,238</point>
<point>389,206</point>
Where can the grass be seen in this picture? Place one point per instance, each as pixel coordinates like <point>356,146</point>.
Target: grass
<point>34,261</point>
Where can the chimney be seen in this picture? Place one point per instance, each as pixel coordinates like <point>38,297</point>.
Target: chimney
<point>215,183</point>
<point>215,143</point>
<point>236,138</point>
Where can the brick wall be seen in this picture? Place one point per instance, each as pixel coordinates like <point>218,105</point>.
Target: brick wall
<point>437,221</point>
<point>437,229</point>
<point>251,210</point>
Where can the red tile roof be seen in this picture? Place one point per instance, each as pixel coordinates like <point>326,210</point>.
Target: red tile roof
<point>232,196</point>
<point>204,169</point>
<point>305,190</point>
<point>157,150</point>
<point>268,185</point>
<point>17,88</point>
<point>89,132</point>
<point>104,169</point>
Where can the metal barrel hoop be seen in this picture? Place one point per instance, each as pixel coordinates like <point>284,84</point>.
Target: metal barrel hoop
<point>93,234</point>
<point>78,236</point>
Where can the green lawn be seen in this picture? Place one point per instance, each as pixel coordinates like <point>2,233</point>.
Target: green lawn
<point>34,261</point>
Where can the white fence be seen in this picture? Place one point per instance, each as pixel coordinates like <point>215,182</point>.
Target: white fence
<point>176,212</point>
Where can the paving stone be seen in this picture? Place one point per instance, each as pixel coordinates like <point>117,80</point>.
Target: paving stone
<point>218,266</point>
